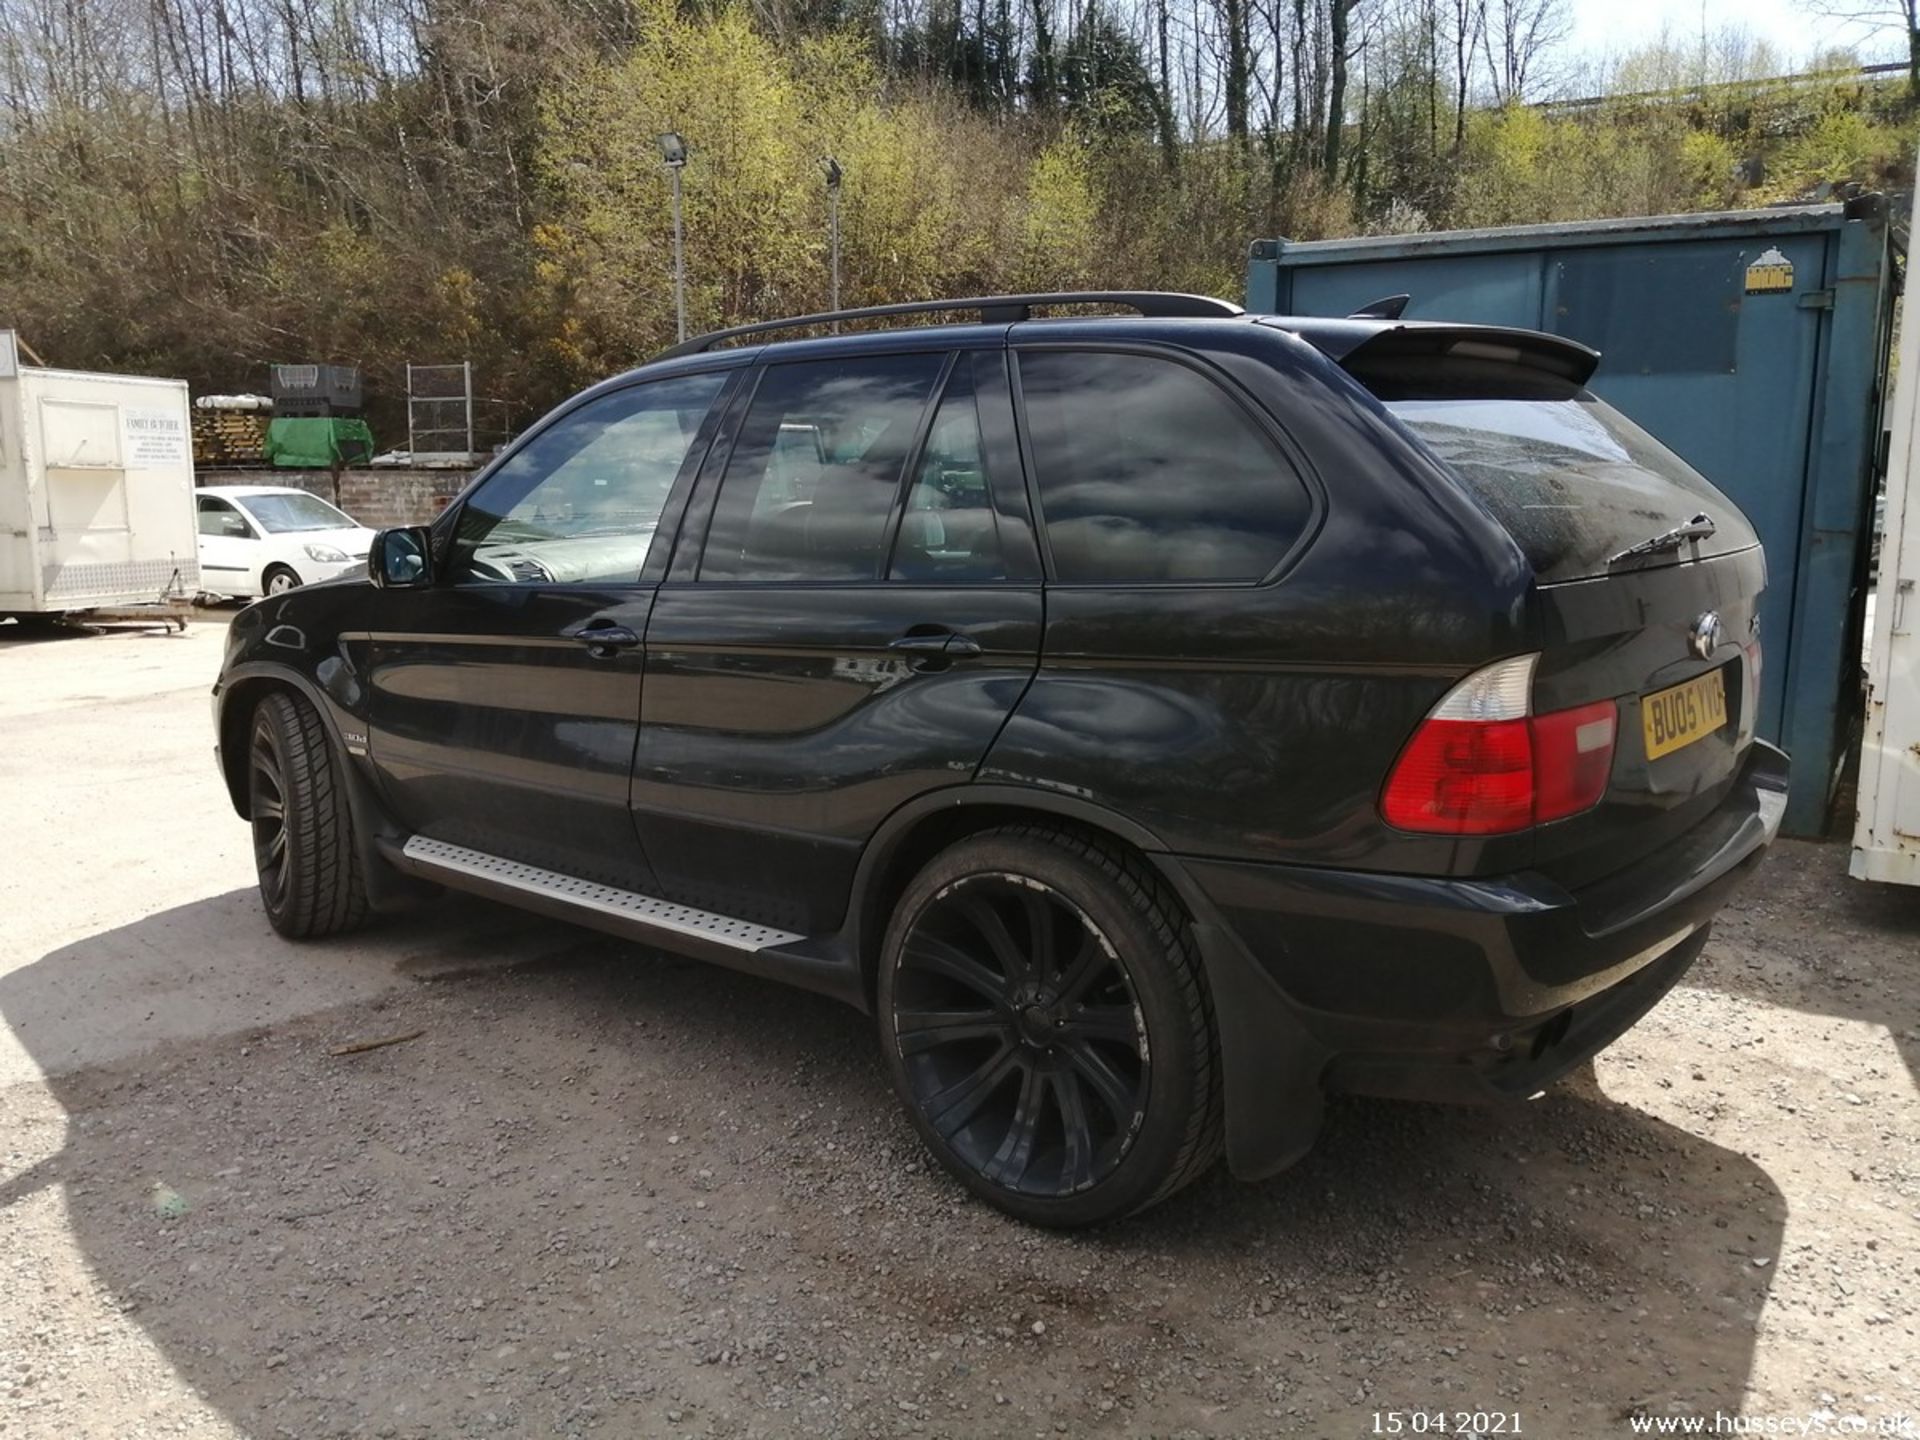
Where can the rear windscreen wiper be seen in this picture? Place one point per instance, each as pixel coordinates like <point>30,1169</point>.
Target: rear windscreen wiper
<point>1700,527</point>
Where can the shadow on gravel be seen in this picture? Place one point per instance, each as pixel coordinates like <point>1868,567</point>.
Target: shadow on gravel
<point>607,1191</point>
<point>1807,935</point>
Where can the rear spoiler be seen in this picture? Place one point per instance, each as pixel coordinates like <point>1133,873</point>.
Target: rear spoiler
<point>1355,342</point>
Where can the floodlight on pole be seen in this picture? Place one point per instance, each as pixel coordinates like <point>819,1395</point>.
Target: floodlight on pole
<point>673,153</point>
<point>834,175</point>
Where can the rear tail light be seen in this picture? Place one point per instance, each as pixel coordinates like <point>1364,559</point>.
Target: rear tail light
<point>1572,757</point>
<point>1482,763</point>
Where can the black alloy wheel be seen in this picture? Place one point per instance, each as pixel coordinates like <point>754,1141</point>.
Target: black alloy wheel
<point>1048,1027</point>
<point>1023,1039</point>
<point>267,789</point>
<point>310,881</point>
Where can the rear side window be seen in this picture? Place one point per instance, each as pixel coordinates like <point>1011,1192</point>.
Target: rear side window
<point>1573,480</point>
<point>949,530</point>
<point>1149,472</point>
<point>810,487</point>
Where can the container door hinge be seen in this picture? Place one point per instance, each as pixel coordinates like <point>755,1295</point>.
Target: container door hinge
<point>1815,300</point>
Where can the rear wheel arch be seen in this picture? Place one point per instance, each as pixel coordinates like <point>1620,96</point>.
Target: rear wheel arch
<point>1265,1051</point>
<point>914,834</point>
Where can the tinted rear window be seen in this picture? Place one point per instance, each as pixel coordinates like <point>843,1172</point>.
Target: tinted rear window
<point>1149,472</point>
<point>1572,479</point>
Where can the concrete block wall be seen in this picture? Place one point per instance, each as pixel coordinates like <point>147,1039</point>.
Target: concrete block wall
<point>376,498</point>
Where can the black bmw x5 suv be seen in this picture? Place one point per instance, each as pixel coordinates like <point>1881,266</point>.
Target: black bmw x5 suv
<point>1155,721</point>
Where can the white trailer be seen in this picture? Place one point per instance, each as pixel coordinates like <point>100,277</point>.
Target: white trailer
<point>1886,831</point>
<point>96,490</point>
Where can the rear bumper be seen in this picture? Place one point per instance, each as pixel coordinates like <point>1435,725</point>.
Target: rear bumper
<point>1471,989</point>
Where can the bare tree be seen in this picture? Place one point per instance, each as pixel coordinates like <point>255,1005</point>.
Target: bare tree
<point>1469,25</point>
<point>1881,17</point>
<point>1339,16</point>
<point>1518,33</point>
<point>1233,16</point>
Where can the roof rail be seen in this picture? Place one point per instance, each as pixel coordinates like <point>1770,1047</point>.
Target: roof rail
<point>994,310</point>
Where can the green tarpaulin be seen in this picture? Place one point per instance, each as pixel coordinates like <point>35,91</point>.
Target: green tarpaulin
<point>318,444</point>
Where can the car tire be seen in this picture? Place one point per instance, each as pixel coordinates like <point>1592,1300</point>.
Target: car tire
<point>310,880</point>
<point>277,580</point>
<point>1047,1025</point>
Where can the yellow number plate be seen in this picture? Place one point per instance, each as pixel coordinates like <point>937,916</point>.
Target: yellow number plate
<point>1674,718</point>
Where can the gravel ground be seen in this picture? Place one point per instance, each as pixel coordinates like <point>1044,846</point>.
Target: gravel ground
<point>610,1192</point>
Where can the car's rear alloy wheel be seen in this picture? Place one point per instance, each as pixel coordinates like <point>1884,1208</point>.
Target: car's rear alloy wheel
<point>310,880</point>
<point>1048,1028</point>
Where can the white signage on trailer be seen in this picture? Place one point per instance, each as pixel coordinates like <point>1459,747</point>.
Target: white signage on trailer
<point>154,439</point>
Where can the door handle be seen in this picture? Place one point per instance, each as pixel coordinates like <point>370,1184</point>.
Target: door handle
<point>603,640</point>
<point>922,644</point>
<point>935,651</point>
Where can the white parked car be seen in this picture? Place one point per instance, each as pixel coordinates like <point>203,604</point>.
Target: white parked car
<point>265,539</point>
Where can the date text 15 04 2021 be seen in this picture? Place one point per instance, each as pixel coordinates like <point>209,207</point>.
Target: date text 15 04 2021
<point>1446,1422</point>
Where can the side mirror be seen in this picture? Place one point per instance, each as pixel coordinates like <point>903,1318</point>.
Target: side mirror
<point>401,558</point>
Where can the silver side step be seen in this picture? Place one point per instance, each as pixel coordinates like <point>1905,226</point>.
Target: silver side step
<point>589,902</point>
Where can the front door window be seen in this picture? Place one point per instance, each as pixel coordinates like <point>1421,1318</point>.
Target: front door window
<point>579,503</point>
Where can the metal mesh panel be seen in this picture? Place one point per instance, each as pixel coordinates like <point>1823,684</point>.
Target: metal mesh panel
<point>440,409</point>
<point>119,580</point>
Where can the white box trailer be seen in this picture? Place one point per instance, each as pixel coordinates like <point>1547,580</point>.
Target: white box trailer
<point>96,490</point>
<point>1886,832</point>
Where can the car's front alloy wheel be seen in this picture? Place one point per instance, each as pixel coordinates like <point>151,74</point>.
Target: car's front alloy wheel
<point>310,881</point>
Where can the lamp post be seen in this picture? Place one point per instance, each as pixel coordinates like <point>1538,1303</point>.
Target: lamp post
<point>832,167</point>
<point>673,151</point>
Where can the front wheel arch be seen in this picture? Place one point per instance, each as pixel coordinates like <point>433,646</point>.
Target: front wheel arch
<point>237,705</point>
<point>274,570</point>
<point>240,696</point>
<point>387,888</point>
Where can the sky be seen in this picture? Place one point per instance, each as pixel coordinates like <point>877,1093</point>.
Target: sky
<point>1616,25</point>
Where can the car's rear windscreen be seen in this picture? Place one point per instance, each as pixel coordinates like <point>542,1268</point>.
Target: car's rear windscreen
<point>1573,480</point>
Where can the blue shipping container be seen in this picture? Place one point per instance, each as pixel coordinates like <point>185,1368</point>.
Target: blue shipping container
<point>1752,342</point>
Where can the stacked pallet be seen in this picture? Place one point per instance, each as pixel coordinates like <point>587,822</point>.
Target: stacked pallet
<point>225,435</point>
